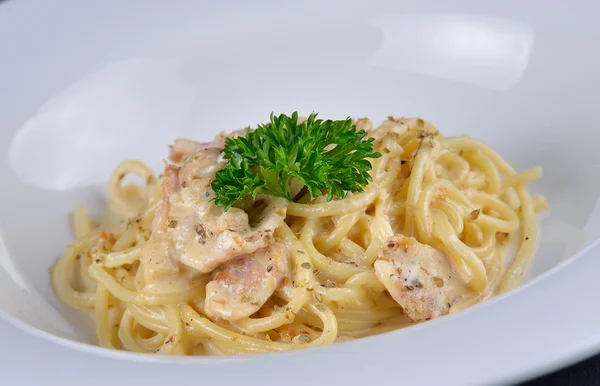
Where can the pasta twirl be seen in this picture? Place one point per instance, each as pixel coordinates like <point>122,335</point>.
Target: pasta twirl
<point>445,205</point>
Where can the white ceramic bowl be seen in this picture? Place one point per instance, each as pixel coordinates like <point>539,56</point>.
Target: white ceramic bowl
<point>84,85</point>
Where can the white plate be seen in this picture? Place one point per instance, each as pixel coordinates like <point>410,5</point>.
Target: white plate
<point>84,85</point>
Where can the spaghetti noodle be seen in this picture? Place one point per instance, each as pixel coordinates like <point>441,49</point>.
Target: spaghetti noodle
<point>307,273</point>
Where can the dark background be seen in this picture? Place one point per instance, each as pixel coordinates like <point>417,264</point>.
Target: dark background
<point>586,373</point>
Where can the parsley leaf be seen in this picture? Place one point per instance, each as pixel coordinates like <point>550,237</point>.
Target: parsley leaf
<point>328,157</point>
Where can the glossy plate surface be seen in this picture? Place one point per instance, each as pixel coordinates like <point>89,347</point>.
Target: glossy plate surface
<point>84,86</point>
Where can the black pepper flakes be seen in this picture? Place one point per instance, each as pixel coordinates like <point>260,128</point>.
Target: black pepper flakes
<point>200,231</point>
<point>306,265</point>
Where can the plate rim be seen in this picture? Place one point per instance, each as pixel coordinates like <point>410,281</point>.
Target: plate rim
<point>540,366</point>
<point>581,260</point>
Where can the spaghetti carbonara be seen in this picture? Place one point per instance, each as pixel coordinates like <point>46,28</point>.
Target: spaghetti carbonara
<point>167,271</point>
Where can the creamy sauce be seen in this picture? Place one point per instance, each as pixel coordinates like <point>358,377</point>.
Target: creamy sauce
<point>421,279</point>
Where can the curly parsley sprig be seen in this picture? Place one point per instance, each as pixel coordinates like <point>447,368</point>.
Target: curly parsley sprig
<point>328,157</point>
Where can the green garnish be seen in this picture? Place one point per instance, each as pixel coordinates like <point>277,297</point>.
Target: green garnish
<point>328,157</point>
